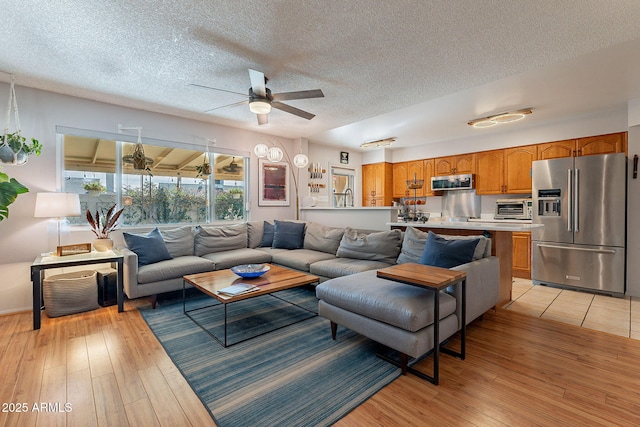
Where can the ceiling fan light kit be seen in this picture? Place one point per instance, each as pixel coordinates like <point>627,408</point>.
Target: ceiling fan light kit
<point>378,143</point>
<point>507,117</point>
<point>261,100</point>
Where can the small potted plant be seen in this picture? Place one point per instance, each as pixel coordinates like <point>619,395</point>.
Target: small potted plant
<point>235,192</point>
<point>102,226</point>
<point>94,188</point>
<point>14,148</point>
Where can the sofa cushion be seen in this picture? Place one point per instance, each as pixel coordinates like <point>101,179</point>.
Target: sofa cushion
<point>150,248</point>
<point>440,252</point>
<point>288,235</point>
<point>404,306</point>
<point>378,246</point>
<point>414,241</point>
<point>233,257</point>
<point>219,239</point>
<point>267,235</point>
<point>179,241</point>
<point>300,259</point>
<point>173,269</point>
<point>318,237</point>
<point>344,266</point>
<point>255,229</point>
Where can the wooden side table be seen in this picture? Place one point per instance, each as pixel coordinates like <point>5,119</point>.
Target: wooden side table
<point>115,258</point>
<point>435,279</point>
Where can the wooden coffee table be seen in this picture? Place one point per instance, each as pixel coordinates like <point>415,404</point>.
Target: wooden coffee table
<point>274,280</point>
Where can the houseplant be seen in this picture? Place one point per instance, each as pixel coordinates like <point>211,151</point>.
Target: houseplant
<point>102,226</point>
<point>14,148</point>
<point>94,187</point>
<point>9,191</point>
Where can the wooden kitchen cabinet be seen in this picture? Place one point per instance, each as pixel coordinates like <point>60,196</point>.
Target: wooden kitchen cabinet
<point>599,144</point>
<point>416,171</point>
<point>428,167</point>
<point>377,184</point>
<point>518,162</point>
<point>462,163</point>
<point>490,172</point>
<point>505,171</point>
<point>400,173</point>
<point>521,258</point>
<point>602,144</point>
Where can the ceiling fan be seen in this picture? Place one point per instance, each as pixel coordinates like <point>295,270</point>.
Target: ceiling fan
<point>261,100</point>
<point>232,167</point>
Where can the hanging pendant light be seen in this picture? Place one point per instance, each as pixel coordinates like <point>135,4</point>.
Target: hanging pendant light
<point>275,154</point>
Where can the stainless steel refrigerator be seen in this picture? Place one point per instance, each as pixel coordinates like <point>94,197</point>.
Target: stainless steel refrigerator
<point>581,201</point>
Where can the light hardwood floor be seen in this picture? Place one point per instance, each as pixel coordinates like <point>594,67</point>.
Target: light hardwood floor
<point>520,370</point>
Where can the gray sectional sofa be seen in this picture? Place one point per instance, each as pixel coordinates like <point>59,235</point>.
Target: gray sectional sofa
<point>326,252</point>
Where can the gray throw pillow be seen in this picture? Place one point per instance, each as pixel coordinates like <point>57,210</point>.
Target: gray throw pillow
<point>322,238</point>
<point>288,235</point>
<point>218,239</point>
<point>149,248</point>
<point>414,241</point>
<point>179,241</point>
<point>447,253</point>
<point>377,246</point>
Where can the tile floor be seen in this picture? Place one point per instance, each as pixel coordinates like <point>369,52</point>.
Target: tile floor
<point>619,316</point>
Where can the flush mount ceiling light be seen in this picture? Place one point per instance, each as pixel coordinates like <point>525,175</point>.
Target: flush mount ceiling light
<point>507,117</point>
<point>379,143</point>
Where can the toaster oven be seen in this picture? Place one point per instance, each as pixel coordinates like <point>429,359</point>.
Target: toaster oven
<point>514,209</point>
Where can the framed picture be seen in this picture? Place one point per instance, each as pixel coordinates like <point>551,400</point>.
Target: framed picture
<point>344,157</point>
<point>273,184</point>
<point>78,248</point>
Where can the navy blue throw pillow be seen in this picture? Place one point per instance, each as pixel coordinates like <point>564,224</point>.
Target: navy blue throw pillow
<point>267,235</point>
<point>288,235</point>
<point>441,252</point>
<point>150,248</point>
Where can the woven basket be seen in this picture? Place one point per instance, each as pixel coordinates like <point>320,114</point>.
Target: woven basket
<point>70,293</point>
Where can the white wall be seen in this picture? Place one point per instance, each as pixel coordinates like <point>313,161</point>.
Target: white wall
<point>327,156</point>
<point>633,207</point>
<point>23,237</point>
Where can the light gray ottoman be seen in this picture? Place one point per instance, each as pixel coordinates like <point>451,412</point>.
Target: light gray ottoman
<point>394,314</point>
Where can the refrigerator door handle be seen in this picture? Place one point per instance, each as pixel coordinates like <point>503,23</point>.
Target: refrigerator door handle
<point>569,199</point>
<point>576,206</point>
<point>573,248</point>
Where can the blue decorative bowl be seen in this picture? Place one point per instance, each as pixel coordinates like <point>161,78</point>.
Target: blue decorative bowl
<point>249,271</point>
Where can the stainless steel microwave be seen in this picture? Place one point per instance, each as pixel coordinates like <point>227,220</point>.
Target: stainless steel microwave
<point>452,182</point>
<point>514,209</point>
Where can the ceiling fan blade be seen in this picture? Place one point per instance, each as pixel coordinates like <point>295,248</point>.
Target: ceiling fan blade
<point>215,88</point>
<point>235,104</point>
<point>263,119</point>
<point>302,94</point>
<point>258,83</point>
<point>293,110</point>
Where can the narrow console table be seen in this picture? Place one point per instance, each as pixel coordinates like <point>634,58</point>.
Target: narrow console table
<point>46,262</point>
<point>435,279</point>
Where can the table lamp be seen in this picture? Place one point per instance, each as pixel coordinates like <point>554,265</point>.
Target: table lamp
<point>56,206</point>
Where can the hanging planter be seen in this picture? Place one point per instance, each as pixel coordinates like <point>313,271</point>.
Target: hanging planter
<point>138,158</point>
<point>14,148</point>
<point>204,170</point>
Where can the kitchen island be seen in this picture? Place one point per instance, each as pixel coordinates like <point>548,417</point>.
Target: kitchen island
<point>500,234</point>
<point>370,218</point>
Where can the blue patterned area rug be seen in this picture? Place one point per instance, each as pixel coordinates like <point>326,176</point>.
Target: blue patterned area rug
<point>293,376</point>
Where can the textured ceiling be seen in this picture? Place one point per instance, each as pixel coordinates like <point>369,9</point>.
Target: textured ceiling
<point>417,70</point>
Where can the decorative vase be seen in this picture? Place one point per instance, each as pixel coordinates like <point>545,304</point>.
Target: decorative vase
<point>103,245</point>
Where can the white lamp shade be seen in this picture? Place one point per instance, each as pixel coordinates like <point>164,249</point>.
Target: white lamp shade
<point>275,154</point>
<point>259,106</point>
<point>300,160</point>
<point>57,205</point>
<point>261,150</point>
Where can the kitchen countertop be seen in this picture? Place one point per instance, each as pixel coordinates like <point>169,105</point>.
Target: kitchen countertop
<point>490,225</point>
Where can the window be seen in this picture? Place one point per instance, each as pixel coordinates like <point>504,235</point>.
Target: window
<point>174,187</point>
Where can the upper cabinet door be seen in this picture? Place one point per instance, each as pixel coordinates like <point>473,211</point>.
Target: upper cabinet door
<point>557,149</point>
<point>400,175</point>
<point>429,166</point>
<point>415,171</point>
<point>489,172</point>
<point>517,169</point>
<point>444,166</point>
<point>602,144</point>
<point>465,163</point>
